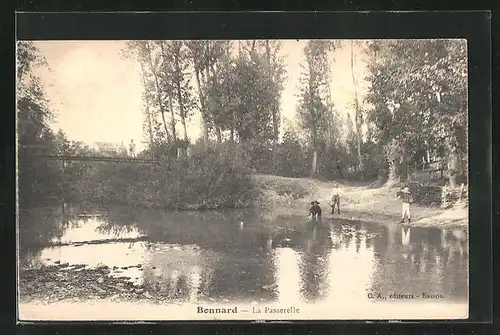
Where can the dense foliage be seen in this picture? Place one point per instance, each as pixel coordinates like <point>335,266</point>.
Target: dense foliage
<point>206,179</point>
<point>419,102</point>
<point>40,179</point>
<point>416,107</point>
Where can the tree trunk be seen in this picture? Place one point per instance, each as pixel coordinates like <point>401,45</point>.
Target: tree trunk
<point>453,167</point>
<point>158,91</point>
<point>180,101</point>
<point>357,116</point>
<point>185,130</point>
<point>407,170</point>
<point>275,155</point>
<point>219,135</point>
<point>360,157</point>
<point>165,124</point>
<point>394,171</point>
<point>330,120</point>
<point>234,130</point>
<point>204,77</point>
<point>329,127</point>
<point>274,110</point>
<point>147,111</point>
<point>314,163</point>
<point>314,132</point>
<point>213,75</point>
<point>275,106</point>
<point>172,115</point>
<point>204,116</point>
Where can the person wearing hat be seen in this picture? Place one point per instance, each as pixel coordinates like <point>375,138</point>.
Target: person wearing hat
<point>335,198</point>
<point>315,210</point>
<point>407,198</point>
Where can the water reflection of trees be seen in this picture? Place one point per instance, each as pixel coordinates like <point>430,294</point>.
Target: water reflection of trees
<point>187,284</point>
<point>314,268</point>
<point>307,247</point>
<point>408,260</point>
<point>38,227</point>
<point>209,275</point>
<point>413,260</point>
<point>119,220</point>
<point>241,276</point>
<point>350,262</point>
<point>243,262</point>
<point>214,230</point>
<point>402,259</point>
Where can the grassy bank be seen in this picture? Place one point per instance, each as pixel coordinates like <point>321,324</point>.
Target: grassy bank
<point>358,202</point>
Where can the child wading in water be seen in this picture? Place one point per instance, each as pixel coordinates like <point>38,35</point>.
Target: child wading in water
<point>335,198</point>
<point>315,210</point>
<point>407,198</point>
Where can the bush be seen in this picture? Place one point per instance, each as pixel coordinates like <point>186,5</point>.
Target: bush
<point>295,188</point>
<point>291,160</point>
<point>39,180</point>
<point>260,156</point>
<point>212,177</point>
<point>450,196</point>
<point>426,195</point>
<point>209,178</point>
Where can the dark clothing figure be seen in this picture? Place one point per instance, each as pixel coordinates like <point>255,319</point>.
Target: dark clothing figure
<point>336,203</point>
<point>315,210</point>
<point>336,199</point>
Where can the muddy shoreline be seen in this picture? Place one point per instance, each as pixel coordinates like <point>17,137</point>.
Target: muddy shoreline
<point>69,282</point>
<point>375,218</point>
<point>292,196</point>
<point>58,282</point>
<point>55,283</point>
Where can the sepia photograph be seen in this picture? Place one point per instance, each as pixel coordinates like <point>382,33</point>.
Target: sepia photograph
<point>242,179</point>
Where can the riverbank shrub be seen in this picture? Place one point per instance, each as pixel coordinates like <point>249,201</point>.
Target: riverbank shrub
<point>426,195</point>
<point>210,177</point>
<point>285,187</point>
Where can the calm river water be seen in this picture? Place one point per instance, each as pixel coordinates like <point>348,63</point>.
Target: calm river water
<point>237,256</point>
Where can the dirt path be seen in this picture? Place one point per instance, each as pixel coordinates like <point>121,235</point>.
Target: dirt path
<point>358,202</point>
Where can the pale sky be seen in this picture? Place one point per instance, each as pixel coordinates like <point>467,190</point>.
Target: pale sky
<point>96,94</point>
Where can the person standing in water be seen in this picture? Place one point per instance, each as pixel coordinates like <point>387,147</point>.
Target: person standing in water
<point>335,198</point>
<point>407,198</point>
<point>315,210</point>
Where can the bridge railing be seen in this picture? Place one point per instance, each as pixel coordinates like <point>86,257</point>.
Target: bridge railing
<point>100,159</point>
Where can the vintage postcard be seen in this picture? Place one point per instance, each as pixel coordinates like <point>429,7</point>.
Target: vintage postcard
<point>242,180</point>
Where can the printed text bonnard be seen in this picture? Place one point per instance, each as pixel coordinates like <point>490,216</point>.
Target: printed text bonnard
<point>255,310</point>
